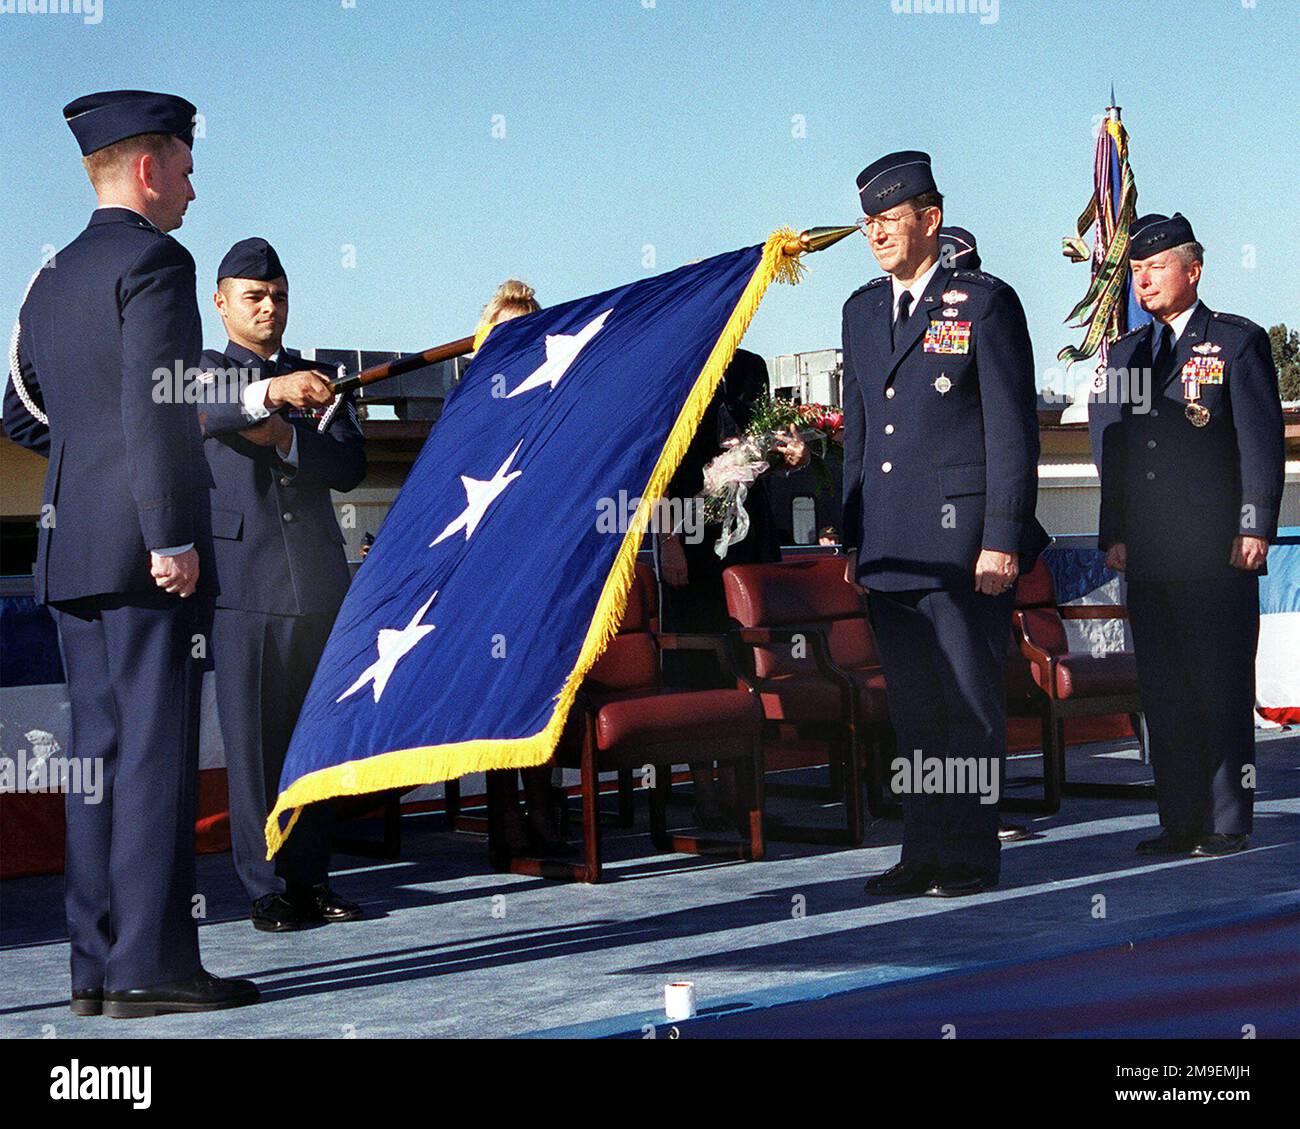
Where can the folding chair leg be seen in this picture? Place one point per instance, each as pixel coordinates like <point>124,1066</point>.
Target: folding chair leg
<point>626,798</point>
<point>852,777</point>
<point>665,841</point>
<point>851,796</point>
<point>756,846</point>
<point>1108,791</point>
<point>451,802</point>
<point>1139,723</point>
<point>1053,762</point>
<point>659,807</point>
<point>1053,770</point>
<point>590,809</point>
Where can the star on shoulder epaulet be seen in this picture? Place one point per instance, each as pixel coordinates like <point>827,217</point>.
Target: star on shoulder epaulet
<point>979,276</point>
<point>1233,319</point>
<point>868,285</point>
<point>1130,333</point>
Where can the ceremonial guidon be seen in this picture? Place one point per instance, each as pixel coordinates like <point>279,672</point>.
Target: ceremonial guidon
<point>1187,433</point>
<point>124,545</point>
<point>940,489</point>
<point>277,441</point>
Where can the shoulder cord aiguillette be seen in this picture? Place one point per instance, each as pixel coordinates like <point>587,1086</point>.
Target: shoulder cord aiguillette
<point>15,369</point>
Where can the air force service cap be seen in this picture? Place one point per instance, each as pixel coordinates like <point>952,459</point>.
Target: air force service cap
<point>251,258</point>
<point>1154,233</point>
<point>957,245</point>
<point>100,120</point>
<point>893,179</point>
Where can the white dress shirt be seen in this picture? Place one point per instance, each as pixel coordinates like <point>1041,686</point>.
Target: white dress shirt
<point>917,289</point>
<point>255,406</point>
<point>1179,323</point>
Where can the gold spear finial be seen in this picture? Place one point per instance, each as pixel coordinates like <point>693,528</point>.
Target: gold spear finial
<point>817,239</point>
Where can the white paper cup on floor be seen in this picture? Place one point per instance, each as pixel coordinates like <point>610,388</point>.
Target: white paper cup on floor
<point>679,1000</point>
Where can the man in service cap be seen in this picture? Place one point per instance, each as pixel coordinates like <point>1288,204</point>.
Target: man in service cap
<point>940,488</point>
<point>1187,434</point>
<point>124,552</point>
<point>957,248</point>
<point>277,443</point>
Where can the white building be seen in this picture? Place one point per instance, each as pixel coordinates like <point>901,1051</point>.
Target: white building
<point>807,378</point>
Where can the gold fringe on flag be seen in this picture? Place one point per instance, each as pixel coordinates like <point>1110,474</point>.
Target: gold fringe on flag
<point>408,768</point>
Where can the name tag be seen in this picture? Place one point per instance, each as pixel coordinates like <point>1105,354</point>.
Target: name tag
<point>1204,370</point>
<point>947,337</point>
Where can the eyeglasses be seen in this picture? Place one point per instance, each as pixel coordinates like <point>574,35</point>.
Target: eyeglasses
<point>887,224</point>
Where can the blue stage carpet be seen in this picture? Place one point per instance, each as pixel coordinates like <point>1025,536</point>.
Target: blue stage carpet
<point>786,946</point>
<point>1242,975</point>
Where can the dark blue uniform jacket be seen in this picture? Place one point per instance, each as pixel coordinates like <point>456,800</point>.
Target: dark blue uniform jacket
<point>940,432</point>
<point>1177,494</point>
<point>278,545</point>
<point>105,328</point>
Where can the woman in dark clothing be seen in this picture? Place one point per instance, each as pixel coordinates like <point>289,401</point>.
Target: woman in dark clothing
<point>691,595</point>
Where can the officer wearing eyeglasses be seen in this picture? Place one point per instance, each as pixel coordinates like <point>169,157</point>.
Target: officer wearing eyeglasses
<point>940,489</point>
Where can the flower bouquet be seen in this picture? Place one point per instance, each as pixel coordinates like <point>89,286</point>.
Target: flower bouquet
<point>773,427</point>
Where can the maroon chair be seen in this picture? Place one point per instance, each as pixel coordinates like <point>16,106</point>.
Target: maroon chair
<point>805,649</point>
<point>625,720</point>
<point>1046,680</point>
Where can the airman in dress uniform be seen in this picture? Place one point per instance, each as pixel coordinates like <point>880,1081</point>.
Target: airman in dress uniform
<point>940,489</point>
<point>1188,437</point>
<point>123,551</point>
<point>277,443</point>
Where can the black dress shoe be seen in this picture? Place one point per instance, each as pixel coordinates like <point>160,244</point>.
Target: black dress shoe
<point>279,913</point>
<point>1217,845</point>
<point>961,882</point>
<point>905,878</point>
<point>87,1001</point>
<point>1167,843</point>
<point>332,907</point>
<point>201,992</point>
<point>1013,833</point>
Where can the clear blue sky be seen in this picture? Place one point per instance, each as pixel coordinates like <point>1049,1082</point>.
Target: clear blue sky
<point>671,125</point>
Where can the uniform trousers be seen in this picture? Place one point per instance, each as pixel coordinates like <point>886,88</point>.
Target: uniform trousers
<point>133,687</point>
<point>264,667</point>
<point>1194,641</point>
<point>943,652</point>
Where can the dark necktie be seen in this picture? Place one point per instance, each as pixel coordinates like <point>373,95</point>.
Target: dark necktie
<point>904,308</point>
<point>1164,358</point>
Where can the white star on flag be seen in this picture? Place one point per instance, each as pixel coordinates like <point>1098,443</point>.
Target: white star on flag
<point>393,645</point>
<point>562,350</point>
<point>480,494</point>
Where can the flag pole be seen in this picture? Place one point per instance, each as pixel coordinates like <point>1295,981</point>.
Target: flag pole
<point>457,348</point>
<point>806,242</point>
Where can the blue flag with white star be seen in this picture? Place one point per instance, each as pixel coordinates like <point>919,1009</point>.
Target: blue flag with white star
<point>505,562</point>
